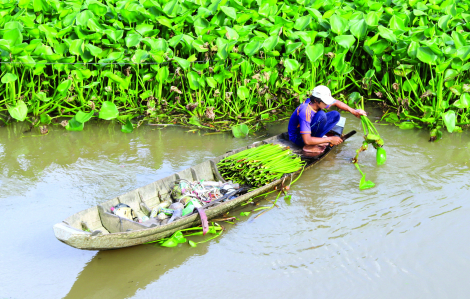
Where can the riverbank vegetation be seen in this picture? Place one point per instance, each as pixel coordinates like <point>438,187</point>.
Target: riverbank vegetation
<point>219,63</point>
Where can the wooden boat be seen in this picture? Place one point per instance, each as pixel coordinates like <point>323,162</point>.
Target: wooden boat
<point>97,228</point>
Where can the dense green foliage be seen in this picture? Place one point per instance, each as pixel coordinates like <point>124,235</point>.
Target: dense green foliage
<point>232,59</point>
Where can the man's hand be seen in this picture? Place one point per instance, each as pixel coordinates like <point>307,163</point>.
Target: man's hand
<point>335,140</point>
<point>359,112</point>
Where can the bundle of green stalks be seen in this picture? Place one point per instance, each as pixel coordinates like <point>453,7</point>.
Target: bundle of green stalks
<point>260,165</point>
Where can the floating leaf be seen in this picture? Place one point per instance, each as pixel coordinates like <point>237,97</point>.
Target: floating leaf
<point>127,128</point>
<point>245,214</point>
<point>406,125</point>
<point>240,131</point>
<point>108,110</point>
<point>45,119</point>
<point>363,184</point>
<point>74,125</point>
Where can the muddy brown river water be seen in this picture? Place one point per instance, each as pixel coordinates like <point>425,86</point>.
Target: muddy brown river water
<point>408,237</point>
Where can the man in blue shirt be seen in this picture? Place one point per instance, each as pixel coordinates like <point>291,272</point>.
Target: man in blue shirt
<point>309,123</point>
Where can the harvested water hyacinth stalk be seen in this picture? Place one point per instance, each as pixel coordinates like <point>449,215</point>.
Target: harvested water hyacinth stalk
<point>259,166</point>
<point>371,136</point>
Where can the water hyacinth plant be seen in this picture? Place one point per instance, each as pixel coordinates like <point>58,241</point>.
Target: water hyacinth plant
<point>371,136</point>
<point>221,62</point>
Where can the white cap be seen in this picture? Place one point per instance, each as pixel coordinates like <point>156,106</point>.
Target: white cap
<point>323,93</point>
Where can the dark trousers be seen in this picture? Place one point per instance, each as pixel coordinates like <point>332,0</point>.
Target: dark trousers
<point>321,124</point>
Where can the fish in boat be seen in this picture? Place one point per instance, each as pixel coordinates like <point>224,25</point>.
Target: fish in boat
<point>97,228</point>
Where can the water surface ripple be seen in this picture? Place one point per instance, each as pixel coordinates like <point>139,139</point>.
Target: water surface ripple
<point>406,238</point>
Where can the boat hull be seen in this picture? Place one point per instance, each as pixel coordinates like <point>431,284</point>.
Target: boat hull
<point>79,238</point>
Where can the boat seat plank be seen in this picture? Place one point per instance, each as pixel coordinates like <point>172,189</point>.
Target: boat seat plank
<point>108,204</point>
<point>90,216</point>
<point>204,171</point>
<point>149,194</point>
<point>132,199</point>
<point>115,224</point>
<point>186,174</point>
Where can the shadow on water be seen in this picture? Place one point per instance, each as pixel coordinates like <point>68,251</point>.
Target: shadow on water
<point>121,273</point>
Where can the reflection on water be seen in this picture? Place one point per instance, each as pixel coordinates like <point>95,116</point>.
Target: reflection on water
<point>406,238</point>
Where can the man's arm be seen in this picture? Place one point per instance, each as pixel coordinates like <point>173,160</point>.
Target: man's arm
<point>343,106</point>
<point>309,140</point>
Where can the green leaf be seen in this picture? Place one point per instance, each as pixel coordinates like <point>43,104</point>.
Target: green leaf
<point>229,11</point>
<point>270,43</point>
<point>243,92</point>
<point>358,28</point>
<point>18,112</point>
<point>463,53</point>
<point>302,22</point>
<point>43,97</point>
<point>64,86</point>
<point>143,28</point>
<point>98,8</point>
<point>194,120</point>
<point>240,131</point>
<point>182,62</point>
<point>77,47</point>
<point>114,77</point>
<point>291,47</point>
<point>192,243</point>
<point>13,36</point>
<point>45,119</point>
<point>9,78</point>
<point>463,102</point>
<point>133,40</point>
<point>211,82</point>
<point>338,24</point>
<point>381,156</point>
<point>245,214</point>
<point>314,52</point>
<point>108,111</point>
<point>426,55</point>
<point>252,47</point>
<point>74,125</point>
<point>387,34</point>
<point>127,128</point>
<point>83,117</point>
<point>114,35</point>
<point>444,21</point>
<point>459,40</point>
<point>346,41</point>
<point>193,79</point>
<point>95,51</point>
<point>363,184</point>
<point>291,65</point>
<point>406,125</point>
<point>449,120</point>
<point>162,74</point>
